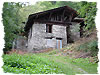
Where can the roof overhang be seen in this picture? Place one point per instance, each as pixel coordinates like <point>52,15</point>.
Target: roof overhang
<point>32,17</point>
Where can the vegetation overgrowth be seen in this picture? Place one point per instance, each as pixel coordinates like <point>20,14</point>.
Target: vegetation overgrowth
<point>91,47</point>
<point>47,64</point>
<point>29,64</point>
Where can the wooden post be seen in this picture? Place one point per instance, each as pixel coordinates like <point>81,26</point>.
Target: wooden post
<point>81,29</point>
<point>68,29</point>
<point>50,16</point>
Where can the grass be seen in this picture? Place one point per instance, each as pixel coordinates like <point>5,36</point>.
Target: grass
<point>85,65</point>
<point>82,63</point>
<point>47,63</point>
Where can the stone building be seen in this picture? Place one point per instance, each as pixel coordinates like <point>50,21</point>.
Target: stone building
<point>53,28</point>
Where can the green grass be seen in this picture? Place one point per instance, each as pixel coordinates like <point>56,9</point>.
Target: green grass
<point>45,63</point>
<point>86,65</point>
<point>82,63</point>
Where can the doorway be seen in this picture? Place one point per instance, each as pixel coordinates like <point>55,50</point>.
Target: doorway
<point>59,43</point>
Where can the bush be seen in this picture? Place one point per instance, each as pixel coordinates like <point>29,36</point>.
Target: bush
<point>91,46</point>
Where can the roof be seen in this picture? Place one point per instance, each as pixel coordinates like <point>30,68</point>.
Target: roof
<point>43,14</point>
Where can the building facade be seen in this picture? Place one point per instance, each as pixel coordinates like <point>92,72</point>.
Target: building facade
<point>52,29</point>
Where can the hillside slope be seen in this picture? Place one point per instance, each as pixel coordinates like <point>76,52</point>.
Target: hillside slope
<point>83,48</point>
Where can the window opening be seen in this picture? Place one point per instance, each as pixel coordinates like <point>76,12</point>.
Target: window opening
<point>48,28</point>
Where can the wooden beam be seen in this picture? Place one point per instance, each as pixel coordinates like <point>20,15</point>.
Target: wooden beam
<point>68,30</point>
<point>54,22</point>
<point>50,16</point>
<point>63,15</point>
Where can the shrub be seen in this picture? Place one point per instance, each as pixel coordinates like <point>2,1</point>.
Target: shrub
<point>91,46</point>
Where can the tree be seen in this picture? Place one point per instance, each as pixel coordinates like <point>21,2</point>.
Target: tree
<point>87,10</point>
<point>11,20</point>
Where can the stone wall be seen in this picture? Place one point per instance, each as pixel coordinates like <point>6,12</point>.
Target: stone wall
<point>20,43</point>
<point>60,32</point>
<point>38,37</point>
<point>37,40</point>
<point>75,31</point>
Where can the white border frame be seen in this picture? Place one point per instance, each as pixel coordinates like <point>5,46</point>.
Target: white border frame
<point>33,1</point>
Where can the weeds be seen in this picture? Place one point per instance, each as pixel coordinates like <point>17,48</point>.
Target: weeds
<point>29,64</point>
<point>91,46</point>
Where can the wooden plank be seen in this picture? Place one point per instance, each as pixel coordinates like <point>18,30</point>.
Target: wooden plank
<point>58,44</point>
<point>53,22</point>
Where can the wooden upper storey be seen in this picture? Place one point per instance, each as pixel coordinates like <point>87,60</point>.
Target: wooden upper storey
<point>60,16</point>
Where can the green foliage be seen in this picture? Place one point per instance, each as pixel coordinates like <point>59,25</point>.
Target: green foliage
<point>29,65</point>
<point>91,46</point>
<point>47,5</point>
<point>11,22</point>
<point>88,10</point>
<point>46,64</point>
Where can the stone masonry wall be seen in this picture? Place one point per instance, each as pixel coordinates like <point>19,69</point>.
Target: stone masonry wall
<point>38,39</point>
<point>75,33</point>
<point>60,32</point>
